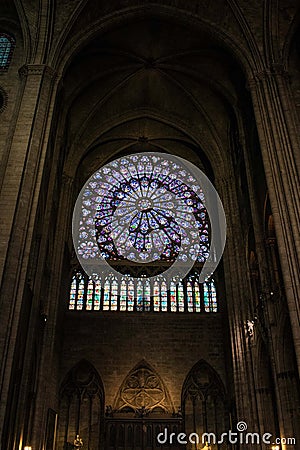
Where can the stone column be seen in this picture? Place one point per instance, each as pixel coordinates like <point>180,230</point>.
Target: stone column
<point>265,315</point>
<point>19,200</point>
<point>278,135</point>
<point>237,289</point>
<point>50,358</point>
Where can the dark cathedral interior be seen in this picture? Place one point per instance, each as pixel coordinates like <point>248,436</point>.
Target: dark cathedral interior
<point>129,359</point>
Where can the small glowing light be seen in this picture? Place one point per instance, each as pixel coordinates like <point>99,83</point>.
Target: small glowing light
<point>28,447</point>
<point>275,447</point>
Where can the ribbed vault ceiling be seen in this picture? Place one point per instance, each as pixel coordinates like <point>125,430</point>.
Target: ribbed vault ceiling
<point>150,86</point>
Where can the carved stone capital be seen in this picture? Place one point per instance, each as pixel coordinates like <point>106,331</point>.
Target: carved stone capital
<point>37,70</point>
<point>273,71</point>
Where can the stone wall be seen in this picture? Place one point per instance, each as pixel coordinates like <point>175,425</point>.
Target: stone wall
<point>171,343</point>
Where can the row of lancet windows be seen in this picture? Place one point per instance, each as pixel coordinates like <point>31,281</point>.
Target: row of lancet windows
<point>7,44</point>
<point>131,294</point>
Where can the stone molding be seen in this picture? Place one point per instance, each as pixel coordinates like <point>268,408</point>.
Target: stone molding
<point>37,70</point>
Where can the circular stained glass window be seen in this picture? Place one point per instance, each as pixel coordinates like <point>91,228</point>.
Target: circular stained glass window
<point>149,208</point>
<point>143,208</point>
<point>148,213</point>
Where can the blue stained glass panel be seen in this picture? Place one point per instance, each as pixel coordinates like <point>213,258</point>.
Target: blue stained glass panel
<point>6,48</point>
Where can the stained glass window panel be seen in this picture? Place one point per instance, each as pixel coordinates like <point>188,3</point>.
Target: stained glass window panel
<point>180,294</point>
<point>197,296</point>
<point>97,298</point>
<point>140,296</point>
<point>206,297</point>
<point>106,296</point>
<point>90,295</point>
<point>114,296</point>
<point>164,296</point>
<point>6,48</point>
<point>214,303</point>
<point>210,297</point>
<point>156,296</point>
<point>80,295</point>
<point>73,292</point>
<point>86,293</point>
<point>148,226</point>
<point>147,295</point>
<point>123,295</point>
<point>130,295</point>
<point>173,296</point>
<point>189,292</point>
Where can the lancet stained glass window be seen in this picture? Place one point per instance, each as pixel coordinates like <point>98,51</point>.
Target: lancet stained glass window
<point>173,296</point>
<point>106,298</point>
<point>210,297</point>
<point>164,296</point>
<point>130,295</point>
<point>80,295</point>
<point>123,295</point>
<point>93,294</point>
<point>156,292</point>
<point>73,293</point>
<point>180,296</point>
<point>190,301</point>
<point>90,295</point>
<point>97,298</point>
<point>197,296</point>
<point>140,295</point>
<point>147,295</point>
<point>7,44</point>
<point>114,295</point>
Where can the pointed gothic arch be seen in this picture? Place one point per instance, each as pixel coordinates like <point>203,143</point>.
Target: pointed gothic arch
<point>81,408</point>
<point>204,401</point>
<point>143,391</point>
<point>142,409</point>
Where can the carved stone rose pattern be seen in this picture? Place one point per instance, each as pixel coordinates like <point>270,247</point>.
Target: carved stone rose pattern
<point>142,389</point>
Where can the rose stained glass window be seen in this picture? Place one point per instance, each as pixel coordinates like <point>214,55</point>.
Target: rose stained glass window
<point>143,208</point>
<point>143,211</point>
